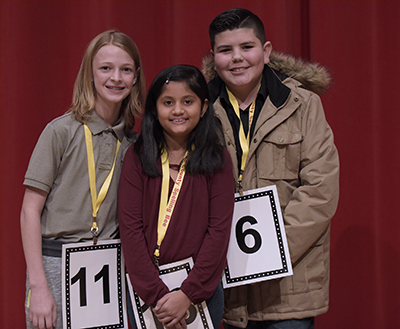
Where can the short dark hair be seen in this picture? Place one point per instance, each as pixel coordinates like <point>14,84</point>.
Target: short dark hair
<point>233,19</point>
<point>207,156</point>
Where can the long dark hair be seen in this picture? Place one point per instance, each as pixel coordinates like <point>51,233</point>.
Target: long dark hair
<point>207,156</point>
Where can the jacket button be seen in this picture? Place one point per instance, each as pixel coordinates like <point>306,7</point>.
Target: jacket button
<point>229,143</point>
<point>296,99</point>
<point>280,139</point>
<point>255,140</point>
<point>241,320</point>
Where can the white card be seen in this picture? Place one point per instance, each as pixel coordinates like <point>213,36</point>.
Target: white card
<point>258,249</point>
<point>172,275</point>
<point>93,285</point>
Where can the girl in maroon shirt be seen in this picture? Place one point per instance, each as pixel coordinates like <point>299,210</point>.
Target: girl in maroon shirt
<point>179,137</point>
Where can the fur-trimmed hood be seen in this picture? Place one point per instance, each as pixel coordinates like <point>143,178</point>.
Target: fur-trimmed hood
<point>312,76</point>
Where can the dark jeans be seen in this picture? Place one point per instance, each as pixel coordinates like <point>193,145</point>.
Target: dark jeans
<point>307,323</point>
<point>215,305</point>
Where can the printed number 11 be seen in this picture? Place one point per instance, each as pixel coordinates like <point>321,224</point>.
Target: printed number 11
<point>81,277</point>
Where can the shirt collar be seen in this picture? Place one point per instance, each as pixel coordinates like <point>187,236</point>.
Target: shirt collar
<point>97,125</point>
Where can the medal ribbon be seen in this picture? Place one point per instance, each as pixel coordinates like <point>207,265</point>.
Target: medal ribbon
<point>243,139</point>
<point>167,206</point>
<point>97,199</point>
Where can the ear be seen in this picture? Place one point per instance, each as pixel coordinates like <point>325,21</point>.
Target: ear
<point>212,54</point>
<point>204,109</point>
<point>267,48</point>
<point>136,75</point>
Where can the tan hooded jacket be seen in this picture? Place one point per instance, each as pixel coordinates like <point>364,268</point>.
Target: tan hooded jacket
<point>292,148</point>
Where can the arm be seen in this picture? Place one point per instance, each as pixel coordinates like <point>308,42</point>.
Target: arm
<point>42,311</point>
<point>138,258</point>
<point>210,261</point>
<point>313,204</point>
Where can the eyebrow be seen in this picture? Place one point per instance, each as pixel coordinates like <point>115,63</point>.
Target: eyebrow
<point>241,44</point>
<point>112,63</point>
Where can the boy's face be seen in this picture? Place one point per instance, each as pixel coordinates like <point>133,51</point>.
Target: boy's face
<point>239,58</point>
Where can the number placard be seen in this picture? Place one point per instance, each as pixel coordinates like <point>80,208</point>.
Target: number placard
<point>258,249</point>
<point>93,289</point>
<point>172,275</point>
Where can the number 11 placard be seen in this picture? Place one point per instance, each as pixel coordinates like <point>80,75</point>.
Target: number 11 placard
<point>93,285</point>
<point>258,248</point>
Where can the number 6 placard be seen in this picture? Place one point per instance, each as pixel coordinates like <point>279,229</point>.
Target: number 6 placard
<point>93,285</point>
<point>258,249</point>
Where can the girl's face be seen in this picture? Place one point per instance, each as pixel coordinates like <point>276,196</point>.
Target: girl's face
<point>113,76</point>
<point>179,111</point>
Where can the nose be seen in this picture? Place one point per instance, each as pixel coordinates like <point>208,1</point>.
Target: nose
<point>237,55</point>
<point>178,109</point>
<point>116,76</point>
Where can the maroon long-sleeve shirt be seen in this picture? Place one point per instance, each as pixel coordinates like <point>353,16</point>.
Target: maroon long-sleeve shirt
<point>199,228</point>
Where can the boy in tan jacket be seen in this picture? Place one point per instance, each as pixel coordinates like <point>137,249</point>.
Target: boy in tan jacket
<point>276,133</point>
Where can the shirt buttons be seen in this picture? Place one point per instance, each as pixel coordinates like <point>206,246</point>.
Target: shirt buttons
<point>281,139</point>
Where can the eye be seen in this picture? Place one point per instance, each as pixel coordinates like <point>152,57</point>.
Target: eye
<point>187,102</point>
<point>127,69</point>
<point>224,50</point>
<point>248,47</point>
<point>105,68</point>
<point>168,103</point>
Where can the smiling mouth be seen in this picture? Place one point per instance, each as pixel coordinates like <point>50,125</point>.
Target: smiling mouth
<point>179,120</point>
<point>238,69</point>
<point>115,88</point>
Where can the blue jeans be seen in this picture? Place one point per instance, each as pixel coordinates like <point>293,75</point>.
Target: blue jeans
<point>307,323</point>
<point>215,305</point>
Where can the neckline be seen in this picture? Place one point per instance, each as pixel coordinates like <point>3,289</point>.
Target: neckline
<point>174,166</point>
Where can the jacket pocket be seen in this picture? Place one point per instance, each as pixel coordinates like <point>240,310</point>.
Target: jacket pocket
<point>310,273</point>
<point>278,156</point>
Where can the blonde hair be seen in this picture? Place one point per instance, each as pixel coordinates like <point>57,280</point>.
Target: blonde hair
<point>84,95</point>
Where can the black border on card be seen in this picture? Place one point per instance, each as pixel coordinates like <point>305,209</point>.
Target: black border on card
<point>284,268</point>
<point>68,252</point>
<point>185,266</point>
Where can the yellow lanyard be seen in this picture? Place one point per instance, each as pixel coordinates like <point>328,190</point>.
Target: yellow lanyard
<point>167,207</point>
<point>243,139</point>
<point>97,200</point>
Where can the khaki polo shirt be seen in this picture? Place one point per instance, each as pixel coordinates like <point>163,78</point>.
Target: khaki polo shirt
<point>59,167</point>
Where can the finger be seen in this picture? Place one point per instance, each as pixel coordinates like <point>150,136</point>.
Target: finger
<point>40,323</point>
<point>54,316</point>
<point>183,322</point>
<point>171,324</point>
<point>165,319</point>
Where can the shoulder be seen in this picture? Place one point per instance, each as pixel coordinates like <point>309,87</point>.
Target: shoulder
<point>311,76</point>
<point>131,159</point>
<point>227,168</point>
<point>63,125</point>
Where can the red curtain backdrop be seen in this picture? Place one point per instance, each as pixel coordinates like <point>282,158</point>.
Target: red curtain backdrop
<point>41,46</point>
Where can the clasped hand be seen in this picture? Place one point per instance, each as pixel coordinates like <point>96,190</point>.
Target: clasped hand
<point>171,310</point>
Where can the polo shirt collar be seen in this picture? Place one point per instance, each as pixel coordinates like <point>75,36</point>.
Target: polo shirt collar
<point>97,126</point>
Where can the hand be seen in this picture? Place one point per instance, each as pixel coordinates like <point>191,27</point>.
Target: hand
<point>171,309</point>
<point>42,310</point>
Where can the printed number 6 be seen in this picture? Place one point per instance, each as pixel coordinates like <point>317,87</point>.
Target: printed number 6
<point>241,235</point>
